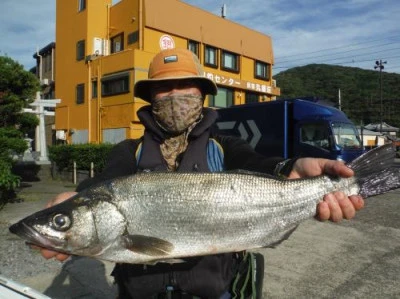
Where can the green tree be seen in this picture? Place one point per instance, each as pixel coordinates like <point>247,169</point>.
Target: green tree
<point>17,90</point>
<point>360,90</point>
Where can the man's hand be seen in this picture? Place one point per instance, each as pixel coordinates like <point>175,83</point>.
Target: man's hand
<point>335,206</point>
<point>46,253</point>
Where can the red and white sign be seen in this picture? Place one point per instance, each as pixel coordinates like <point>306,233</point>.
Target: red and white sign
<point>166,42</point>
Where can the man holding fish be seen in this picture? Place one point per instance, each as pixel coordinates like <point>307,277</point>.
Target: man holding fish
<point>178,138</point>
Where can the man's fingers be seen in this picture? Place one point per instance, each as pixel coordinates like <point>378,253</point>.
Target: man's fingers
<point>357,201</point>
<point>48,254</point>
<point>337,206</point>
<point>323,212</point>
<point>336,168</point>
<point>336,214</point>
<point>346,205</point>
<point>60,198</point>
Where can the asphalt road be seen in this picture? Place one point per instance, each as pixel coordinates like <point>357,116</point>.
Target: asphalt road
<point>359,258</point>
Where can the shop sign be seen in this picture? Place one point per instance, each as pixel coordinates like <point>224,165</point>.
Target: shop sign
<point>166,42</point>
<point>228,81</point>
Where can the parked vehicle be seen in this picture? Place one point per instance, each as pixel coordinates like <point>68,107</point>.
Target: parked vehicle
<point>293,128</point>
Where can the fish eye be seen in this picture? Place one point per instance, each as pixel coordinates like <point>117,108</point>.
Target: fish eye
<point>61,222</point>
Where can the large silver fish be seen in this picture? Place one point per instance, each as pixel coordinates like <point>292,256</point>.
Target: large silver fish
<point>153,217</point>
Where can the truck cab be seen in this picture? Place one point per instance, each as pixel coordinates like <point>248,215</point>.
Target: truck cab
<point>293,128</point>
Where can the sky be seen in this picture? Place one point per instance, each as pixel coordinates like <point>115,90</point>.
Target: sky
<point>354,33</point>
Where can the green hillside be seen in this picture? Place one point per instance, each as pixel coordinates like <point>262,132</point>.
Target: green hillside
<point>359,88</point>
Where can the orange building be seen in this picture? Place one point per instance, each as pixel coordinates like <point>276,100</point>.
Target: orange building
<point>103,49</point>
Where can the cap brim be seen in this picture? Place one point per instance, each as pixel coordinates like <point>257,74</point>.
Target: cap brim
<point>142,88</point>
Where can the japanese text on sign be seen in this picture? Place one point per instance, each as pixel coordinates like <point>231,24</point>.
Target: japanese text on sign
<point>219,79</point>
<point>258,87</point>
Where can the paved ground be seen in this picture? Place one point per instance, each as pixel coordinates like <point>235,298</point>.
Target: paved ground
<point>76,278</point>
<point>353,259</point>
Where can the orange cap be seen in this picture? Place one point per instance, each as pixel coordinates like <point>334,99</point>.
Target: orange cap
<point>174,64</point>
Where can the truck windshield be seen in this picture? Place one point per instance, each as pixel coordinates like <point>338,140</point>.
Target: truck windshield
<point>346,135</point>
<point>315,134</point>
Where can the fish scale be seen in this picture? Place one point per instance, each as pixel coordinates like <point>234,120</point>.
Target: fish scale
<point>153,217</point>
<point>210,216</point>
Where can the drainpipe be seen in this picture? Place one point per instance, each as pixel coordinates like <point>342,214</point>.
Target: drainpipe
<point>99,106</point>
<point>89,100</point>
<point>108,25</point>
<point>141,31</point>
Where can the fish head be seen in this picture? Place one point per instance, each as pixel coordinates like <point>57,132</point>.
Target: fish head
<point>68,227</point>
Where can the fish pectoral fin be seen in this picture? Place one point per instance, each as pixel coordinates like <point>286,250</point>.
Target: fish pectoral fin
<point>166,261</point>
<point>147,245</point>
<point>284,237</point>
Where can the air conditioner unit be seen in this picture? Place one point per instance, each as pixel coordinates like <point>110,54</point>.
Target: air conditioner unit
<point>44,81</point>
<point>100,46</point>
<point>60,135</point>
<point>273,83</point>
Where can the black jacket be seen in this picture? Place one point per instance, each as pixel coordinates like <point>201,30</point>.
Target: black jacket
<point>205,277</point>
<point>238,154</point>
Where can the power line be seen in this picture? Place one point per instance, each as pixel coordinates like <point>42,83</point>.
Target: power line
<point>354,56</point>
<point>343,52</point>
<point>341,47</point>
<point>339,63</point>
<point>367,54</point>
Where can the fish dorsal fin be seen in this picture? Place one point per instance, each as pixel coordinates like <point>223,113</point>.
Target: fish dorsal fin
<point>253,173</point>
<point>147,245</point>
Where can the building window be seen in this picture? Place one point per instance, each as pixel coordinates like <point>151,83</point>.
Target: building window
<point>115,84</point>
<point>46,63</point>
<point>133,37</point>
<point>261,70</point>
<point>80,93</point>
<point>81,5</point>
<point>210,56</point>
<point>223,99</point>
<point>251,97</point>
<point>94,89</point>
<point>229,61</point>
<point>117,43</point>
<point>80,50</point>
<point>194,47</point>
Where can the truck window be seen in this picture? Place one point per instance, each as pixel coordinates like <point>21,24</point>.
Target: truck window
<point>346,135</point>
<point>316,135</point>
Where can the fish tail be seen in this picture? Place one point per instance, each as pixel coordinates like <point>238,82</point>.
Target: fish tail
<point>375,172</point>
<point>381,182</point>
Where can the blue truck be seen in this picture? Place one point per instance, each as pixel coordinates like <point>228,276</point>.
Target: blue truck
<point>293,128</point>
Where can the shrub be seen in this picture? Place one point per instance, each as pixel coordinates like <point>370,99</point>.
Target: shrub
<point>8,180</point>
<point>83,154</point>
<point>11,143</point>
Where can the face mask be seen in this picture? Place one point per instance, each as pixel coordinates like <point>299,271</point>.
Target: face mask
<point>176,113</point>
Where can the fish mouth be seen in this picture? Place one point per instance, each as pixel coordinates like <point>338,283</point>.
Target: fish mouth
<point>28,233</point>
